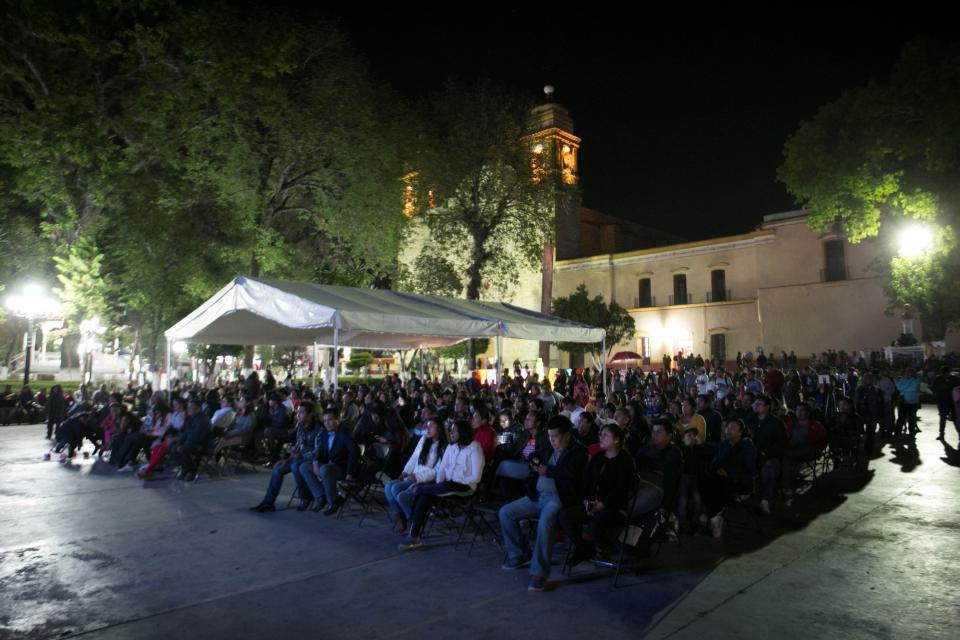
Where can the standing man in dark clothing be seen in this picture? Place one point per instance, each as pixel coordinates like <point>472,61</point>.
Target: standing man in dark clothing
<point>771,442</point>
<point>943,386</point>
<point>869,404</point>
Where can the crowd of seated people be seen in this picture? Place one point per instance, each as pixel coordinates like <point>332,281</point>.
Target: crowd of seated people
<point>686,442</point>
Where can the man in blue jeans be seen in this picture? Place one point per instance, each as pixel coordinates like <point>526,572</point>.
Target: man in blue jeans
<point>556,483</point>
<point>306,431</point>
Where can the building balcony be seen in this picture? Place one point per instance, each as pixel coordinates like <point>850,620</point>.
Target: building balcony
<point>643,303</point>
<point>719,295</point>
<point>688,299</point>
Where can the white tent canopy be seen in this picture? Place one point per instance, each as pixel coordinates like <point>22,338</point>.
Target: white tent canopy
<point>258,311</point>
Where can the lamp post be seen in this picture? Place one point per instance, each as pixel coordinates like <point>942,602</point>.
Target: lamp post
<point>32,304</point>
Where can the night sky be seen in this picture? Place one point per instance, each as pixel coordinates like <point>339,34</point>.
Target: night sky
<point>683,117</point>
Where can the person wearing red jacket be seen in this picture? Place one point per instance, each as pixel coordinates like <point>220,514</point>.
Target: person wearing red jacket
<point>806,440</point>
<point>483,433</point>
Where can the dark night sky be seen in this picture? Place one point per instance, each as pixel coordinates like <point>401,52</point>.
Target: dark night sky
<point>683,117</point>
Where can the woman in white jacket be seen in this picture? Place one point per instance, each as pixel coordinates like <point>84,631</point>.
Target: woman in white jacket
<point>420,469</point>
<point>458,473</point>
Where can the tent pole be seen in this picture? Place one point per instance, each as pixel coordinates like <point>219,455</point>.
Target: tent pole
<point>421,364</point>
<point>316,364</point>
<point>603,363</point>
<point>168,387</point>
<point>336,354</point>
<point>499,367</point>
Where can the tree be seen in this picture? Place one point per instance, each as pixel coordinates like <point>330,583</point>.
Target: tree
<point>144,130</point>
<point>882,155</point>
<point>613,318</point>
<point>476,193</point>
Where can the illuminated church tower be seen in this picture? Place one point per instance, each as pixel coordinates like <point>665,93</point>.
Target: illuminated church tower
<point>552,141</point>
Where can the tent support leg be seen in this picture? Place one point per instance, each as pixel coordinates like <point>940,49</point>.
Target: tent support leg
<point>168,363</point>
<point>421,364</point>
<point>603,363</point>
<point>316,364</point>
<point>499,367</point>
<point>336,355</point>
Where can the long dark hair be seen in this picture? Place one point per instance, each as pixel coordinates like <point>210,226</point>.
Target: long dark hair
<point>464,433</point>
<point>441,443</point>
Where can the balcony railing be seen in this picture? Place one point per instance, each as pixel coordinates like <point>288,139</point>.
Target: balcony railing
<point>835,275</point>
<point>682,300</point>
<point>721,295</point>
<point>641,303</point>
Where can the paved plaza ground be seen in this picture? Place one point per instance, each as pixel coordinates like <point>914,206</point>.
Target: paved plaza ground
<point>87,552</point>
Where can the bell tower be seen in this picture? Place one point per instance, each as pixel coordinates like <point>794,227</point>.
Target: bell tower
<point>555,154</point>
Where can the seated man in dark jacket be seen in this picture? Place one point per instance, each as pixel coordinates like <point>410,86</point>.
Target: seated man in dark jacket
<point>196,436</point>
<point>306,432</point>
<point>659,464</point>
<point>606,490</point>
<point>335,457</point>
<point>556,484</point>
<point>731,473</point>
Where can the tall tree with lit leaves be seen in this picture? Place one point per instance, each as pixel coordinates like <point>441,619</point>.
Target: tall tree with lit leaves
<point>884,158</point>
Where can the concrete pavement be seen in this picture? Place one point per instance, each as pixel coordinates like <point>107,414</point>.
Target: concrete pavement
<point>86,552</point>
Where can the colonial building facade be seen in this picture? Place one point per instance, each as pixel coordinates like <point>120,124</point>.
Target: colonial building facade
<point>781,287</point>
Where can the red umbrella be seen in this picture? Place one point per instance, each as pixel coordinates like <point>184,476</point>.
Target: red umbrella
<point>624,356</point>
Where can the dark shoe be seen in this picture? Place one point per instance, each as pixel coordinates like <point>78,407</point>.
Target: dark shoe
<point>305,504</point>
<point>537,583</point>
<point>319,505</point>
<point>333,508</point>
<point>263,506</point>
<point>515,563</point>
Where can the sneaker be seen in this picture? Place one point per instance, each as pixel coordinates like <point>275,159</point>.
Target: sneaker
<point>703,519</point>
<point>765,507</point>
<point>536,583</point>
<point>63,458</point>
<point>716,526</point>
<point>410,544</point>
<point>125,469</point>
<point>305,504</point>
<point>515,563</point>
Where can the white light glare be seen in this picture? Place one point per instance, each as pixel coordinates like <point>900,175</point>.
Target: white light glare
<point>914,240</point>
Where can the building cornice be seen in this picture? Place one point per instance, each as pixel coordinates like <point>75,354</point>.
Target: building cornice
<point>697,305</point>
<point>683,250</point>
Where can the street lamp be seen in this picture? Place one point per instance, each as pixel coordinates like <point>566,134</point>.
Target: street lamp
<point>914,240</point>
<point>31,304</point>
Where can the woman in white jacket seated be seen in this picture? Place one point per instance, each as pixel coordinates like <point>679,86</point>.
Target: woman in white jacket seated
<point>458,473</point>
<point>421,468</point>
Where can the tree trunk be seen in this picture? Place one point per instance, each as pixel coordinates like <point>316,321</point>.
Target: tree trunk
<point>474,283</point>
<point>248,350</point>
<point>68,351</point>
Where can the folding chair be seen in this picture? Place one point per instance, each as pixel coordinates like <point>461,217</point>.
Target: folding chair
<point>484,515</point>
<point>362,491</point>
